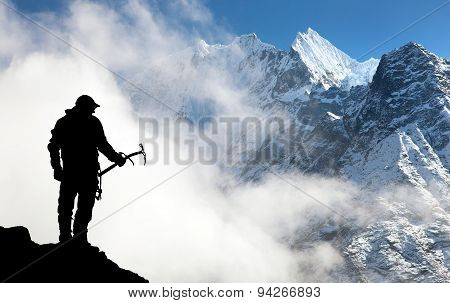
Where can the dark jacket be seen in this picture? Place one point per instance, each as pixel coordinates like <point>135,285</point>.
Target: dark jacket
<point>79,138</point>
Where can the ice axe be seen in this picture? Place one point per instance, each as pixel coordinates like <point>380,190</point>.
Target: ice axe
<point>126,157</point>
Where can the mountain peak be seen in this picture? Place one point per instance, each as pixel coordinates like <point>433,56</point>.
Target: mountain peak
<point>311,32</point>
<point>247,38</point>
<point>250,36</point>
<point>410,63</point>
<point>409,49</point>
<point>251,42</point>
<point>413,44</point>
<point>329,65</point>
<point>307,37</point>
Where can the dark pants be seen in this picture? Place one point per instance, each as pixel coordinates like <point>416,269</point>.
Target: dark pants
<point>85,187</point>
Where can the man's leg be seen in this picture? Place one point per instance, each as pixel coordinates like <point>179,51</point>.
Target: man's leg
<point>67,193</point>
<point>86,201</point>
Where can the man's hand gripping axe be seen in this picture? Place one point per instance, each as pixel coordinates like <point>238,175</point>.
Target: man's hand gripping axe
<point>127,157</point>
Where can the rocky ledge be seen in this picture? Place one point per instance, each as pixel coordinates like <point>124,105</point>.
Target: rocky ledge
<point>22,260</point>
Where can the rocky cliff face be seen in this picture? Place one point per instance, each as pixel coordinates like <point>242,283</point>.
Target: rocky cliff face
<point>22,260</point>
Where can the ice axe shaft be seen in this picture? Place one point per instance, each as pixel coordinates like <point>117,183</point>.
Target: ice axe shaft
<point>127,157</point>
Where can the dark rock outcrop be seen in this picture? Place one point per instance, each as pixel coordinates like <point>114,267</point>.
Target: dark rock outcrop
<point>22,260</point>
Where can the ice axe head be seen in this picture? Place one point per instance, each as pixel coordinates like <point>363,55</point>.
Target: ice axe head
<point>142,151</point>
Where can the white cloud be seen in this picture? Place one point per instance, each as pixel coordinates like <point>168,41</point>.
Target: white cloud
<point>192,10</point>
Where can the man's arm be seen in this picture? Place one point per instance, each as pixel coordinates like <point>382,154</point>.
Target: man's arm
<point>105,148</point>
<point>54,147</point>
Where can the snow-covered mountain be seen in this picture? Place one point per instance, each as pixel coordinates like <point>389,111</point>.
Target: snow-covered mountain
<point>272,74</point>
<point>408,103</point>
<point>381,124</point>
<point>390,133</point>
<point>399,130</point>
<point>269,75</point>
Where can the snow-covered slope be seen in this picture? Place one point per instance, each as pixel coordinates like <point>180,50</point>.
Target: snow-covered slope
<point>329,65</point>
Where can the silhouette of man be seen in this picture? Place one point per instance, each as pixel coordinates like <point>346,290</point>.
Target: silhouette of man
<point>79,136</point>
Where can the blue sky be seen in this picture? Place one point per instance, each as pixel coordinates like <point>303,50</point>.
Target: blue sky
<point>354,26</point>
